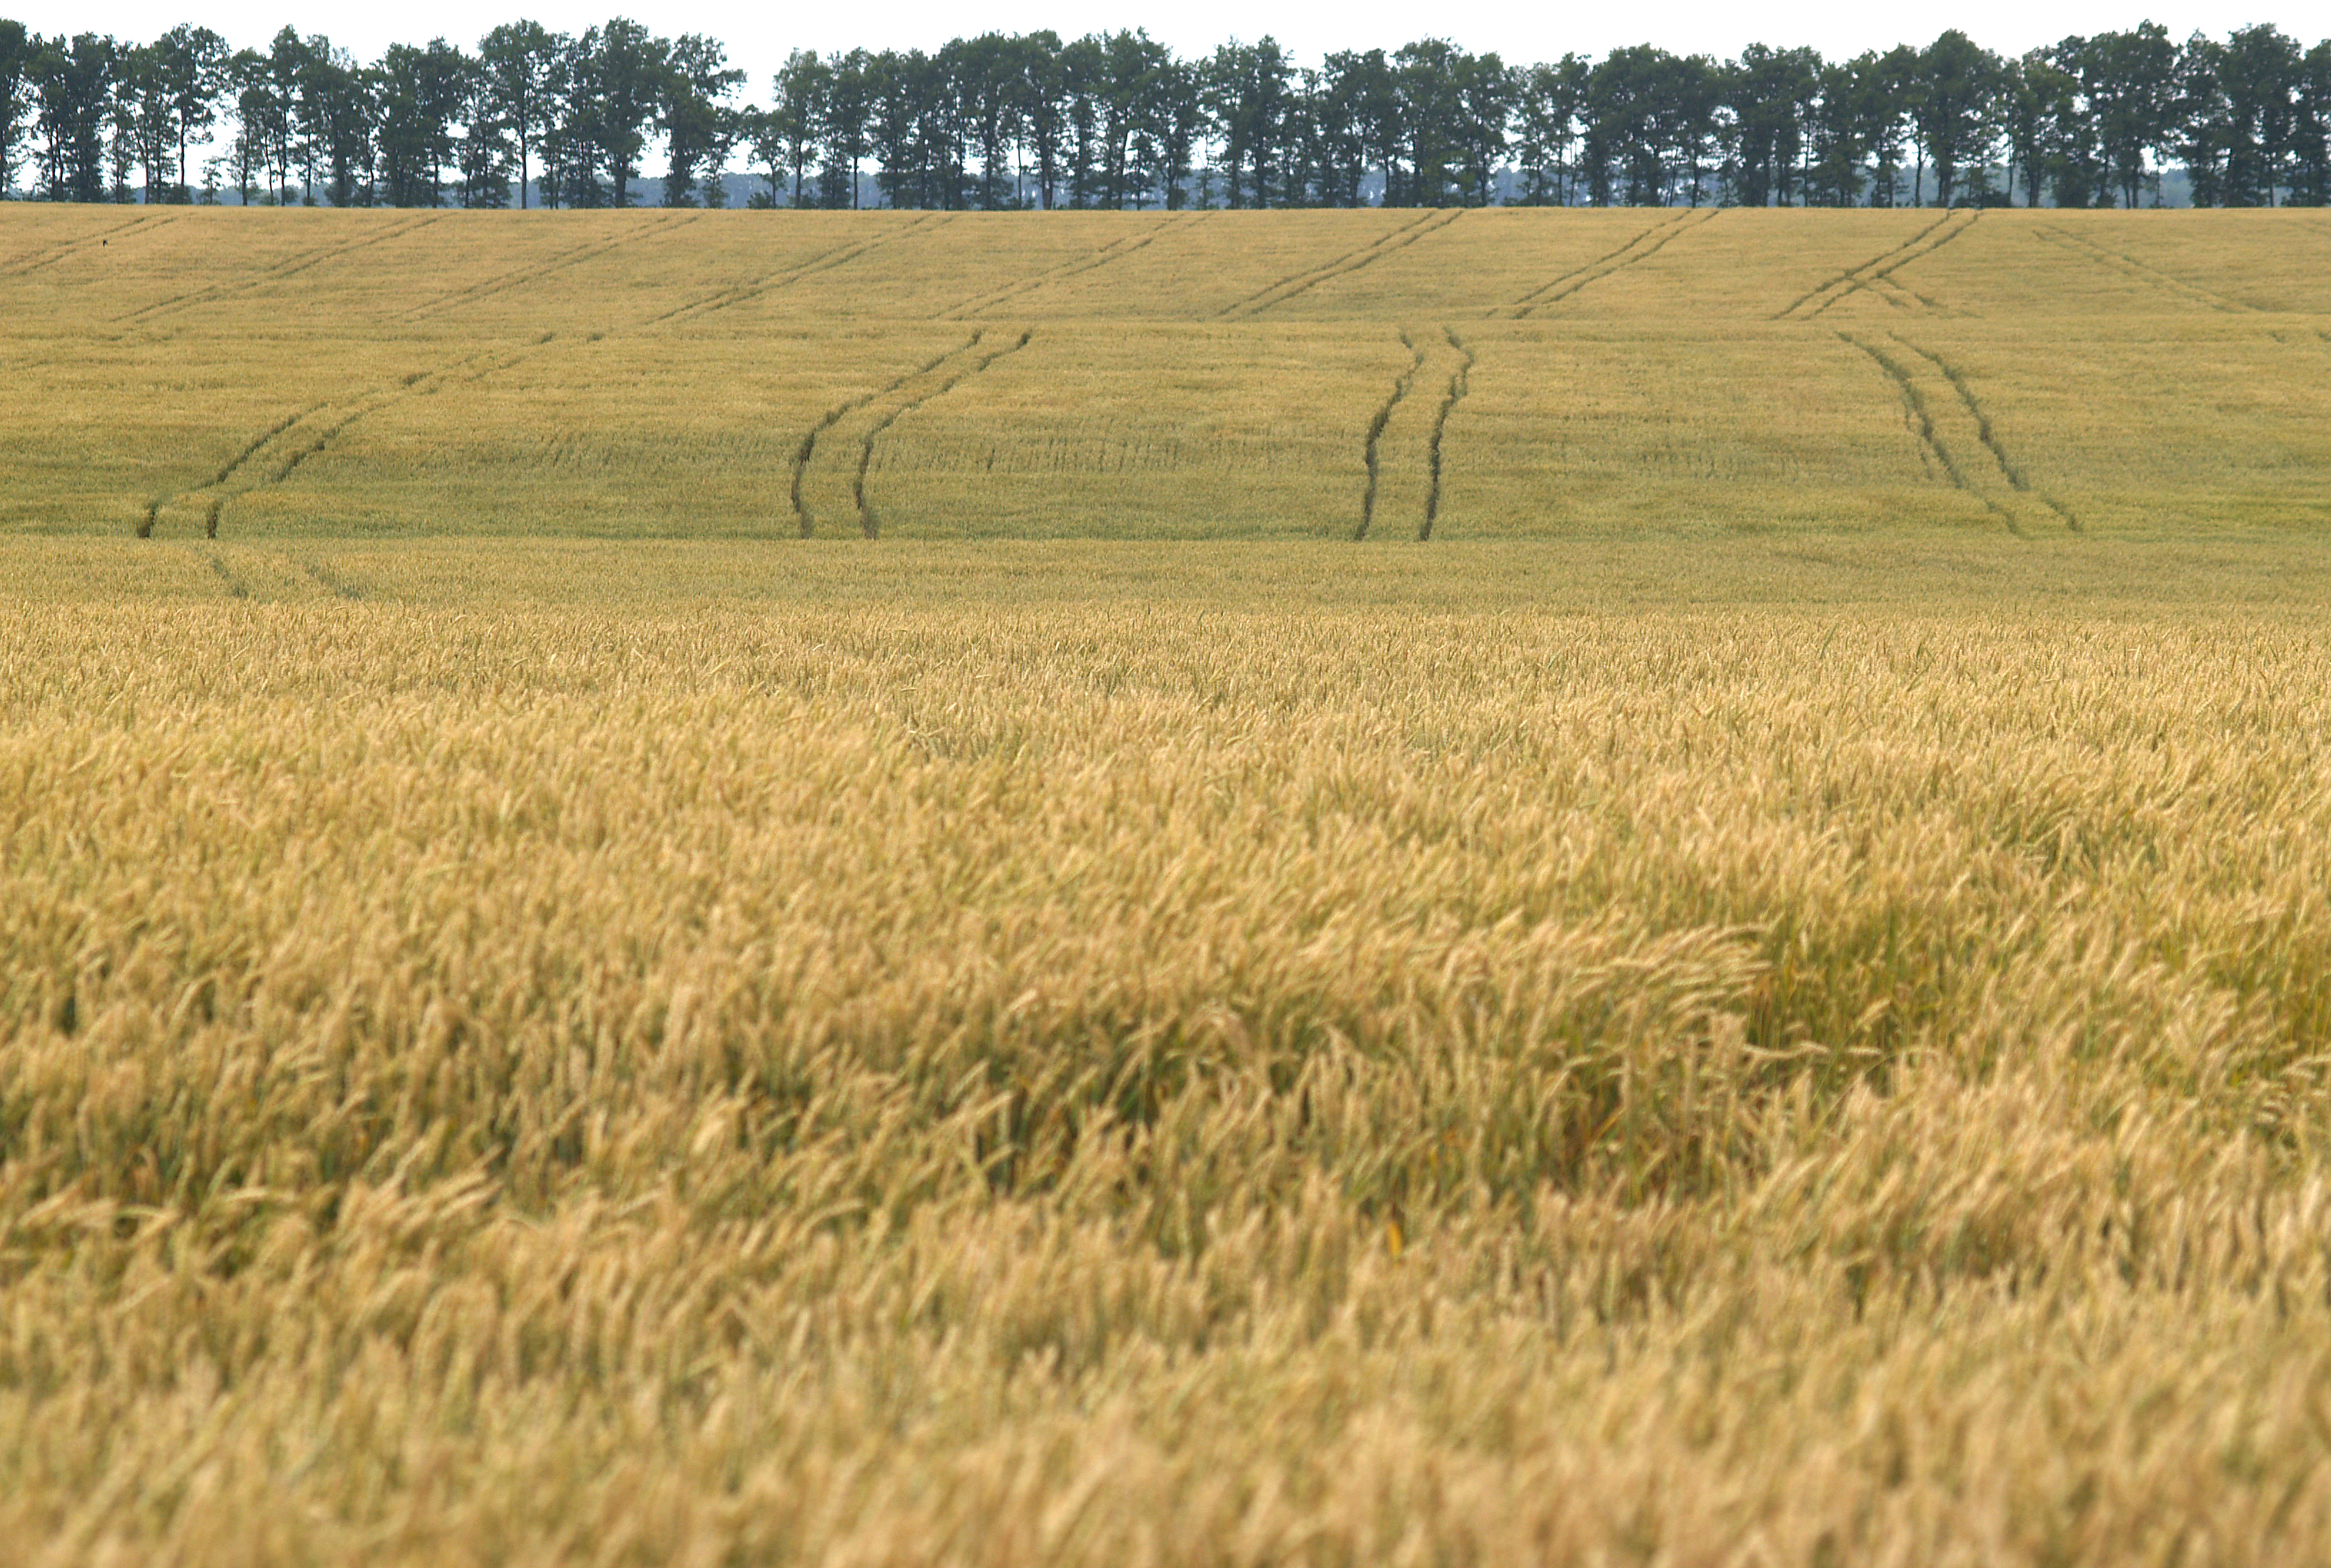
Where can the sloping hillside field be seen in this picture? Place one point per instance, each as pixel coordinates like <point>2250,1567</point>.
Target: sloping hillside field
<point>1494,374</point>
<point>1762,1000</point>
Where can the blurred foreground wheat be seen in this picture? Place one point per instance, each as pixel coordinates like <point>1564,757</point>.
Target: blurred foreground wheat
<point>1149,1082</point>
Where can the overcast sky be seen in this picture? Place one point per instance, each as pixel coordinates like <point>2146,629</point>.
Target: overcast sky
<point>758,36</point>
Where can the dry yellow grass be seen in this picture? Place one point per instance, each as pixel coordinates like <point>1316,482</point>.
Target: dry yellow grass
<point>1623,372</point>
<point>1724,1053</point>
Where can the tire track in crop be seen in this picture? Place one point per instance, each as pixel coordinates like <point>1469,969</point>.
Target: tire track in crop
<point>277,452</point>
<point>1294,283</point>
<point>841,411</point>
<point>1400,390</point>
<point>290,266</point>
<point>1902,297</point>
<point>1548,287</point>
<point>785,276</point>
<point>867,517</point>
<point>2129,266</point>
<point>235,585</point>
<point>834,256</point>
<point>1990,481</point>
<point>227,470</point>
<point>264,576</point>
<point>521,277</point>
<point>421,383</point>
<point>60,251</point>
<point>1921,420</point>
<point>1115,250</point>
<point>323,579</point>
<point>2009,469</point>
<point>1461,381</point>
<point>1659,236</point>
<point>1880,269</point>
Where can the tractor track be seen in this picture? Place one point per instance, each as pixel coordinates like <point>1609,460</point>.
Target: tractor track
<point>866,513</point>
<point>323,579</point>
<point>256,573</point>
<point>1115,250</point>
<point>1881,268</point>
<point>2129,266</point>
<point>285,446</point>
<point>1400,387</point>
<point>721,298</point>
<point>1902,297</point>
<point>50,257</point>
<point>785,276</point>
<point>1294,283</point>
<point>1548,287</point>
<point>289,267</point>
<point>226,573</point>
<point>227,470</point>
<point>1461,381</point>
<point>841,411</point>
<point>525,275</point>
<point>2008,467</point>
<point>419,384</point>
<point>1921,420</point>
<point>282,447</point>
<point>1627,255</point>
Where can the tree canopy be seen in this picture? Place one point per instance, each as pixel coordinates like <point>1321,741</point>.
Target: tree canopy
<point>1117,120</point>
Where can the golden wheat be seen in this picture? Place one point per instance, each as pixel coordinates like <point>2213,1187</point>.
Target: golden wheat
<point>1720,1053</point>
<point>1500,374</point>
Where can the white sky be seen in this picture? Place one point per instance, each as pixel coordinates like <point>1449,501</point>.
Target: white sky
<point>760,34</point>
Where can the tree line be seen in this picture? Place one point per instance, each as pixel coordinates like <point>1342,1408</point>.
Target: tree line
<point>1118,120</point>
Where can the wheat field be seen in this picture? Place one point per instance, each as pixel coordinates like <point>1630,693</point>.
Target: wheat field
<point>1495,374</point>
<point>1759,999</point>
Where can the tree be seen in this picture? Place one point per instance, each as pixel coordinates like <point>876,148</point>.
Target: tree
<point>255,109</point>
<point>848,113</point>
<point>1840,129</point>
<point>421,96</point>
<point>1338,107</point>
<point>2129,81</point>
<point>72,81</point>
<point>1424,76</point>
<point>1649,116</point>
<point>1953,111</point>
<point>627,69</point>
<point>893,88</point>
<point>1182,121</point>
<point>1770,94</point>
<point>517,62</point>
<point>985,74</point>
<point>288,61</point>
<point>1548,101</point>
<point>1127,86</point>
<point>2038,100</point>
<point>571,125</point>
<point>143,117</point>
<point>18,49</point>
<point>1481,109</point>
<point>2310,142</point>
<point>191,63</point>
<point>788,133</point>
<point>336,111</point>
<point>1247,91</point>
<point>2259,71</point>
<point>1039,83</point>
<point>489,143</point>
<point>700,126</point>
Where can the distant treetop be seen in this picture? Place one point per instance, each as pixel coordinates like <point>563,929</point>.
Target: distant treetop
<point>1117,120</point>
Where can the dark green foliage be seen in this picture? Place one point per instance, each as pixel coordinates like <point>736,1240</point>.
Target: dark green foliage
<point>1116,120</point>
